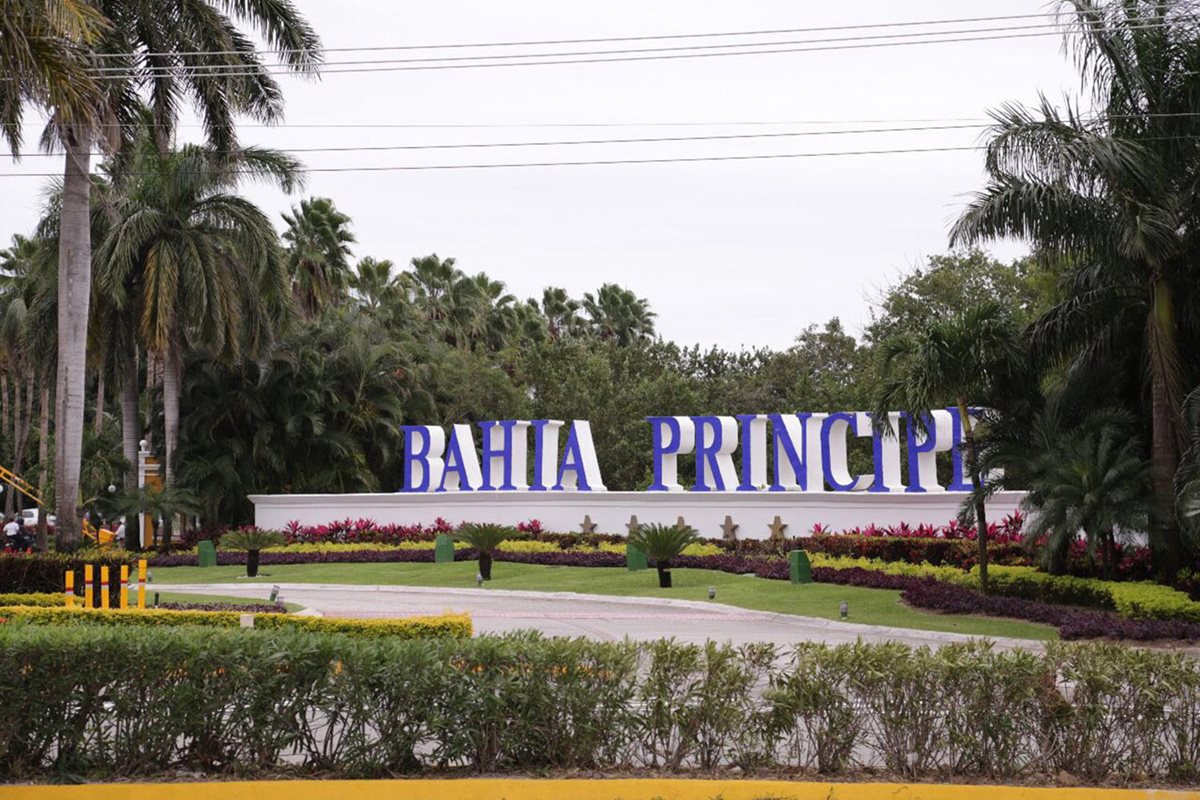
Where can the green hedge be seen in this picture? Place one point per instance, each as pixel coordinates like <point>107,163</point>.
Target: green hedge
<point>33,599</point>
<point>45,572</point>
<point>101,703</point>
<point>445,625</point>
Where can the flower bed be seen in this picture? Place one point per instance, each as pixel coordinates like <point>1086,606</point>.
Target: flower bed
<point>1072,623</point>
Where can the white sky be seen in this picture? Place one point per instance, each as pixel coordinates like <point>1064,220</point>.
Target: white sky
<point>729,253</point>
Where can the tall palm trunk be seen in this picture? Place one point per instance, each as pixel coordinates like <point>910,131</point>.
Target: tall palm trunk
<point>4,405</point>
<point>9,434</point>
<point>98,422</point>
<point>1164,411</point>
<point>981,524</point>
<point>43,453</point>
<point>131,427</point>
<point>21,427</point>
<point>14,436</point>
<point>172,380</point>
<point>74,296</point>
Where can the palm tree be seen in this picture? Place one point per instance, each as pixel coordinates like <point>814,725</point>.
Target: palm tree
<point>485,537</point>
<point>661,544</point>
<point>197,53</point>
<point>1116,193</point>
<point>1093,480</point>
<point>205,261</point>
<point>618,314</point>
<point>43,57</point>
<point>375,286</point>
<point>318,254</point>
<point>252,542</point>
<point>956,360</point>
<point>561,312</point>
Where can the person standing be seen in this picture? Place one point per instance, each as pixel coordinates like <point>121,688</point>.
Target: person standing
<point>12,529</point>
<point>119,533</point>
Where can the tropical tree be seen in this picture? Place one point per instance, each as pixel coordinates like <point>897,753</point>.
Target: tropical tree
<point>485,538</point>
<point>158,504</point>
<point>44,58</point>
<point>375,286</point>
<point>662,544</point>
<point>618,314</point>
<point>252,542</point>
<point>318,254</point>
<point>203,263</point>
<point>195,53</point>
<point>1094,481</point>
<point>561,313</point>
<point>1114,193</point>
<point>956,361</point>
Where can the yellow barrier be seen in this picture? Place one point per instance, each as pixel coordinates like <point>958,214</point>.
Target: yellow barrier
<point>521,789</point>
<point>124,586</point>
<point>123,599</point>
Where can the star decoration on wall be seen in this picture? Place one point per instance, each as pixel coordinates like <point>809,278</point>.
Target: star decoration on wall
<point>730,528</point>
<point>587,526</point>
<point>778,526</point>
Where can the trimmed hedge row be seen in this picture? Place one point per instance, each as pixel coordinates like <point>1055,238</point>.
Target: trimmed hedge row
<point>442,626</point>
<point>33,599</point>
<point>106,704</point>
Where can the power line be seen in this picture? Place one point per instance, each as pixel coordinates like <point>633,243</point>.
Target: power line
<point>610,162</point>
<point>270,70</point>
<point>1049,28</point>
<point>599,40</point>
<point>573,142</point>
<point>485,61</point>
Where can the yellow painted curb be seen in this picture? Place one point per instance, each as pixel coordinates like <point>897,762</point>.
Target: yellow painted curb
<point>520,789</point>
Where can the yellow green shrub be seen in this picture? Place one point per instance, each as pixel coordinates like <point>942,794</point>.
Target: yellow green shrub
<point>33,599</point>
<point>453,626</point>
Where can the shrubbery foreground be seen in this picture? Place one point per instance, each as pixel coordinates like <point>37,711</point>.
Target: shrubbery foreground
<point>107,703</point>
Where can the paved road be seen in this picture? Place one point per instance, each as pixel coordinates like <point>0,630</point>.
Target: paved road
<point>570,614</point>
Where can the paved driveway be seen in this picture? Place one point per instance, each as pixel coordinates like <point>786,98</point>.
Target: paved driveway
<point>570,614</point>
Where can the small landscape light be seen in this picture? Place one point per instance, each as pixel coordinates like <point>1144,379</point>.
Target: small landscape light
<point>479,579</point>
<point>844,609</point>
<point>274,593</point>
<point>156,599</point>
<point>112,489</point>
<point>712,592</point>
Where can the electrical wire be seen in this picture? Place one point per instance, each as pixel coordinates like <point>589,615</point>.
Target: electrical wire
<point>608,162</point>
<point>575,142</point>
<point>599,40</point>
<point>1048,28</point>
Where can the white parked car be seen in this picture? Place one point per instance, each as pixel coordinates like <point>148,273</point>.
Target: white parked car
<point>29,518</point>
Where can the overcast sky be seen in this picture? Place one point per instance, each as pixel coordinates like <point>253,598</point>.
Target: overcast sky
<point>731,253</point>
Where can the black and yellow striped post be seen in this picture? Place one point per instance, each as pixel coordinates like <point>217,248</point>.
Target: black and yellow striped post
<point>104,600</point>
<point>69,590</point>
<point>87,586</point>
<point>124,586</point>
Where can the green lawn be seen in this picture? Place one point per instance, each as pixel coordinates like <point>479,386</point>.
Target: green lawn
<point>868,606</point>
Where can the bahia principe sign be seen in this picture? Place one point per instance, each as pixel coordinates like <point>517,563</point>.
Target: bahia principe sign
<point>810,454</point>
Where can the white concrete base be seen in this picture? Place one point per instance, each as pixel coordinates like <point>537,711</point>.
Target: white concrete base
<point>563,512</point>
